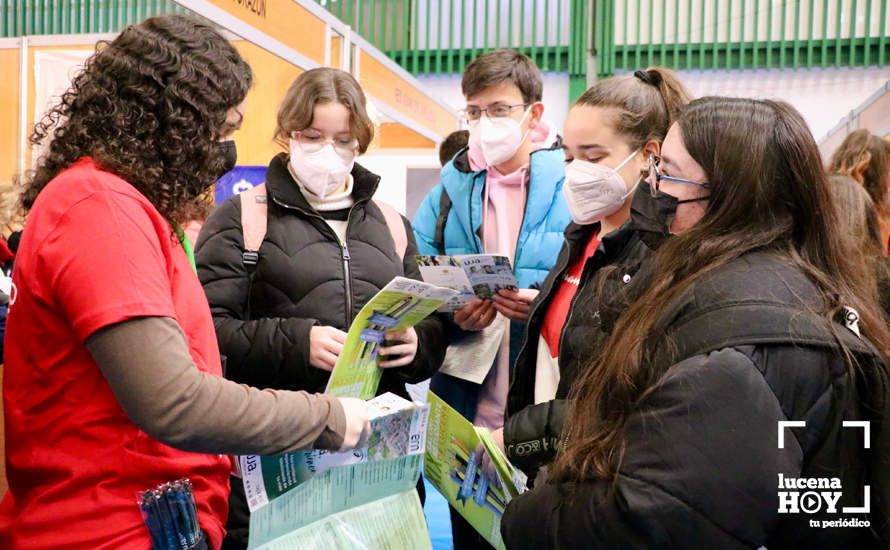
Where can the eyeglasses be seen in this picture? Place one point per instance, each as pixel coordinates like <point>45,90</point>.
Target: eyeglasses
<point>313,143</point>
<point>498,110</point>
<point>656,177</point>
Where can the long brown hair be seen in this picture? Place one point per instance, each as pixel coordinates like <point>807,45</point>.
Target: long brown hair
<point>857,220</point>
<point>866,158</point>
<point>769,193</point>
<point>149,107</point>
<point>856,215</point>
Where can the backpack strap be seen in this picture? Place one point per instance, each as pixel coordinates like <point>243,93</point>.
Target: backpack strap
<point>444,210</point>
<point>754,322</point>
<point>396,227</point>
<point>254,214</point>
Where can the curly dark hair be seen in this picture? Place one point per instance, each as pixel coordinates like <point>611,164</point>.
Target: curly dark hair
<point>148,107</point>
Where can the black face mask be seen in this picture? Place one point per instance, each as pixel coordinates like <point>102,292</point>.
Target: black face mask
<point>230,153</point>
<point>653,212</point>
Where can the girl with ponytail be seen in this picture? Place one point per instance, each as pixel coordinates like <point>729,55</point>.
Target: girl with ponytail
<point>611,133</point>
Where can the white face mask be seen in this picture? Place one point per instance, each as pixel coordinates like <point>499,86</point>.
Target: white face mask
<point>594,191</point>
<point>320,172</point>
<point>499,138</point>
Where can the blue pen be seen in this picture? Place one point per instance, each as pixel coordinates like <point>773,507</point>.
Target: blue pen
<point>187,485</point>
<point>151,520</point>
<point>163,528</point>
<point>166,521</point>
<point>182,508</point>
<point>178,525</point>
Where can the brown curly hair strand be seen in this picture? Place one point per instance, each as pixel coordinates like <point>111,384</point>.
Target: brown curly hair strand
<point>148,107</point>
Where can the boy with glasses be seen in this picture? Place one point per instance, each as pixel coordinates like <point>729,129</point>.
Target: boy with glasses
<point>501,195</point>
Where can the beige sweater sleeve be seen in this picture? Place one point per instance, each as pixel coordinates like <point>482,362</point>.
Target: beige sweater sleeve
<point>147,364</point>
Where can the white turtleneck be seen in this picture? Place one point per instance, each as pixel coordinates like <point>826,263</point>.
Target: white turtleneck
<point>332,202</point>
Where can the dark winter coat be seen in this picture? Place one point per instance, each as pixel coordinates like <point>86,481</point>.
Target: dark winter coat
<point>300,281</point>
<point>702,460</point>
<point>304,278</point>
<point>532,431</point>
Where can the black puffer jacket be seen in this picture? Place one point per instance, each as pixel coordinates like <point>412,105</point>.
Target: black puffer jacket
<point>702,461</point>
<point>300,281</point>
<point>532,431</point>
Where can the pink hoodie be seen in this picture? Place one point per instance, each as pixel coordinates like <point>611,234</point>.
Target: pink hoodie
<point>503,209</point>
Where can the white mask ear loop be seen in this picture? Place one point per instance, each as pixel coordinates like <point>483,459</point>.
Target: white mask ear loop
<point>625,161</point>
<point>620,166</point>
<point>521,120</point>
<point>529,130</point>
<point>633,188</point>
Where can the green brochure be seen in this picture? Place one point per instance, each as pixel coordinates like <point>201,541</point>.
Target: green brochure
<point>398,429</point>
<point>294,496</point>
<point>338,489</point>
<point>392,523</point>
<point>401,304</point>
<point>451,464</point>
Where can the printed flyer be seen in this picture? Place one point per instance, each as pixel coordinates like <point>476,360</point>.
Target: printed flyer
<point>472,276</point>
<point>401,304</point>
<point>293,497</point>
<point>392,523</point>
<point>398,429</point>
<point>452,465</point>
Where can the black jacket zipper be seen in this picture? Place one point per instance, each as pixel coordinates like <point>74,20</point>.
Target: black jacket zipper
<point>344,251</point>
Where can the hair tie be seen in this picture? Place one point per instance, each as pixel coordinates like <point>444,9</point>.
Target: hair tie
<point>653,79</point>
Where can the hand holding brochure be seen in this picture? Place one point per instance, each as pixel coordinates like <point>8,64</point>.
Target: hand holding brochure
<point>473,276</point>
<point>400,304</point>
<point>365,497</point>
<point>290,495</point>
<point>451,464</point>
<point>397,429</point>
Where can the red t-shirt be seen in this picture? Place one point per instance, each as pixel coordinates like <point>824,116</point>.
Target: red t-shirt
<point>95,253</point>
<point>558,310</point>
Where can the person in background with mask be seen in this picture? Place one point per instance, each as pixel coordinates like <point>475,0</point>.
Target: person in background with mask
<point>612,133</point>
<point>753,314</point>
<point>113,379</point>
<point>281,316</point>
<point>501,195</point>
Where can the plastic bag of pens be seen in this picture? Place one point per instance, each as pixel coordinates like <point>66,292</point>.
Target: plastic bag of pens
<point>171,516</point>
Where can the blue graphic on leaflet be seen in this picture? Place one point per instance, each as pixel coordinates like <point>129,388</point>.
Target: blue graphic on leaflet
<point>481,494</point>
<point>238,180</point>
<point>466,485</point>
<point>383,320</point>
<point>373,337</point>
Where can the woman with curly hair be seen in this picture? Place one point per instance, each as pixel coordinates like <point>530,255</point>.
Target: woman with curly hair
<point>113,376</point>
